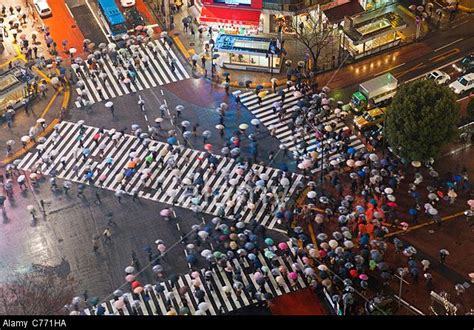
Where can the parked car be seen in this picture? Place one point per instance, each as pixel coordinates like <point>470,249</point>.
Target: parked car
<point>438,77</point>
<point>127,3</point>
<point>43,9</point>
<point>466,65</point>
<point>463,84</point>
<point>369,119</point>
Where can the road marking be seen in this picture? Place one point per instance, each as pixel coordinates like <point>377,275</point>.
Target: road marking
<point>445,55</point>
<point>452,43</point>
<point>416,67</point>
<point>438,68</point>
<point>381,72</point>
<point>69,10</point>
<point>313,237</point>
<point>98,22</point>
<point>458,25</point>
<point>449,217</point>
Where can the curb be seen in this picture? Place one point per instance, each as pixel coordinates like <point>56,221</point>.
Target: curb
<point>48,129</point>
<point>466,9</point>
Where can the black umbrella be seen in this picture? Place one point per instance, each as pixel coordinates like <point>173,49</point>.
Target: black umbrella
<point>173,278</point>
<point>199,294</point>
<point>225,74</point>
<point>386,276</point>
<point>260,281</point>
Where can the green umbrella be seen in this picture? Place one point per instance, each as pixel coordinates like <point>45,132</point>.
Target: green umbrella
<point>268,241</point>
<point>217,254</point>
<point>269,254</point>
<point>149,158</point>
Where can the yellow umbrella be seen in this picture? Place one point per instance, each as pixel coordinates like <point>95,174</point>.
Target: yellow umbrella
<point>262,94</point>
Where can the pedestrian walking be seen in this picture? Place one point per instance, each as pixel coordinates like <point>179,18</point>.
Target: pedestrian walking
<point>95,244</point>
<point>107,234</point>
<point>443,253</point>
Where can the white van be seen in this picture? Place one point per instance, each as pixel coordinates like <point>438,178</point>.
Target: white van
<point>42,8</point>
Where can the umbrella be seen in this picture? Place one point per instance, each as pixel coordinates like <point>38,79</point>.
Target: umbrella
<point>243,126</point>
<point>129,270</point>
<point>25,139</point>
<point>219,126</point>
<point>297,94</point>
<point>109,104</point>
<point>416,163</point>
<point>185,123</point>
<point>311,194</point>
<point>255,121</point>
<point>283,246</point>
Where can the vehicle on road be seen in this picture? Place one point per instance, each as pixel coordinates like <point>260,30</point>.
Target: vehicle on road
<point>43,9</point>
<point>127,3</point>
<point>438,77</point>
<point>112,17</point>
<point>463,84</point>
<point>466,65</point>
<point>374,92</point>
<point>369,119</point>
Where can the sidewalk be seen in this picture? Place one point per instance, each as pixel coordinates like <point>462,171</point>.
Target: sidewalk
<point>190,45</point>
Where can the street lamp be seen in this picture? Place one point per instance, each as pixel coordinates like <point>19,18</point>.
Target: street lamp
<point>212,44</point>
<point>401,272</point>
<point>341,41</point>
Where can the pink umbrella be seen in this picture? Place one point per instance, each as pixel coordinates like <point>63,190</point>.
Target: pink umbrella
<point>208,147</point>
<point>293,276</point>
<point>305,260</point>
<point>283,246</point>
<point>103,177</point>
<point>470,203</point>
<point>165,213</point>
<point>195,275</point>
<point>258,275</point>
<point>130,278</point>
<point>363,277</point>
<point>161,248</point>
<point>240,171</point>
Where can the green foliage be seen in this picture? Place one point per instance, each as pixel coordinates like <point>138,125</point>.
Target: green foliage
<point>470,110</point>
<point>421,119</point>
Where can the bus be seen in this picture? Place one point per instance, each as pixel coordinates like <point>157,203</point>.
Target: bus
<point>112,18</point>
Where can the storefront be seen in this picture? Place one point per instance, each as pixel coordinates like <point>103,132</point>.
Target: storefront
<point>232,16</point>
<point>372,32</point>
<point>248,53</point>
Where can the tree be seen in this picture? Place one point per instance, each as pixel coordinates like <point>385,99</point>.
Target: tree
<point>35,293</point>
<point>421,119</point>
<point>313,33</point>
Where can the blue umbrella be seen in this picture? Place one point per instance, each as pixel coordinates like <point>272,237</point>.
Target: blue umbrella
<point>364,239</point>
<point>279,214</point>
<point>252,237</point>
<point>412,211</point>
<point>259,87</point>
<point>252,256</point>
<point>260,183</point>
<point>361,173</point>
<point>351,151</point>
<point>129,172</point>
<point>457,178</point>
<point>86,151</point>
<point>191,259</point>
<point>249,246</point>
<point>171,140</point>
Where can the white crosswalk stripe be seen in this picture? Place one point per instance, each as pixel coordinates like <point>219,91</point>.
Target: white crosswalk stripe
<point>158,72</point>
<point>226,184</point>
<point>264,112</point>
<point>153,301</point>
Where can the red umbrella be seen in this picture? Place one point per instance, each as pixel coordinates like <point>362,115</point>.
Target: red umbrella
<point>208,147</point>
<point>135,284</point>
<point>353,273</point>
<point>392,204</point>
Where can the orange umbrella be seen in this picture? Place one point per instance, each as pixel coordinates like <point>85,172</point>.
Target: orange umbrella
<point>131,164</point>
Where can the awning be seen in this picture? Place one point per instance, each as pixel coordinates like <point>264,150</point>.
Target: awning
<point>228,15</point>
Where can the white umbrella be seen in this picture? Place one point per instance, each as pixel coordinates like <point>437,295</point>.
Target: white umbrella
<point>41,120</point>
<point>54,80</point>
<point>255,122</point>
<point>10,142</point>
<point>416,163</point>
<point>243,126</point>
<point>21,178</point>
<point>112,46</point>
<point>72,50</point>
<point>219,126</point>
<point>25,138</point>
<point>158,120</point>
<point>311,194</point>
<point>388,190</point>
<point>109,104</point>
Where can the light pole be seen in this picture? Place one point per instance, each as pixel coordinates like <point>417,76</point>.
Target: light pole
<point>401,272</point>
<point>341,39</point>
<point>211,44</point>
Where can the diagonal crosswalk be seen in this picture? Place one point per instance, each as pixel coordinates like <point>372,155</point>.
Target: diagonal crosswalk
<point>110,157</point>
<point>264,112</point>
<point>220,293</point>
<point>104,84</point>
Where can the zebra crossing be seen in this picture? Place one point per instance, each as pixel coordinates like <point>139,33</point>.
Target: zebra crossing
<point>109,86</point>
<point>61,156</point>
<point>270,120</point>
<point>220,295</point>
